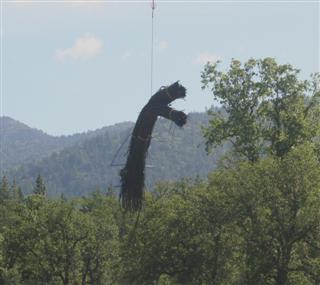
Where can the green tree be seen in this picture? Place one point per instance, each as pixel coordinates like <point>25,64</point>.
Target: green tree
<point>16,192</point>
<point>10,223</point>
<point>44,243</point>
<point>179,239</point>
<point>268,108</point>
<point>59,242</point>
<point>4,189</point>
<point>99,251</point>
<point>40,188</point>
<point>275,203</point>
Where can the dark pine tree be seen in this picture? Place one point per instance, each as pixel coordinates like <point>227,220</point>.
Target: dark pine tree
<point>4,189</point>
<point>16,192</point>
<point>40,188</point>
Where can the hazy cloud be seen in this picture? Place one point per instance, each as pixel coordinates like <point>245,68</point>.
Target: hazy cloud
<point>84,47</point>
<point>205,57</point>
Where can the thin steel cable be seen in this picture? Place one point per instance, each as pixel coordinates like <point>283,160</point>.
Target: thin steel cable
<point>152,53</point>
<point>112,164</point>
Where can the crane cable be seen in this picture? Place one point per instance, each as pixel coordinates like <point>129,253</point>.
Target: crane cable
<point>113,162</point>
<point>151,55</point>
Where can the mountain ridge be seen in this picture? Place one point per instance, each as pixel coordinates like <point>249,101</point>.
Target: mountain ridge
<point>21,143</point>
<point>85,166</point>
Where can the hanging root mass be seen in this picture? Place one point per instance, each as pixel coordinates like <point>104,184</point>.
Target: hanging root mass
<point>132,175</point>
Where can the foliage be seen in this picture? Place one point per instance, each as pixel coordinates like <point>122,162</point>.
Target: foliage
<point>275,203</point>
<point>269,109</point>
<point>251,224</point>
<point>58,242</point>
<point>4,189</point>
<point>181,229</point>
<point>248,224</point>
<point>40,188</point>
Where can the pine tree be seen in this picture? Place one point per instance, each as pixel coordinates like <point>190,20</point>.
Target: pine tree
<point>4,189</point>
<point>16,192</point>
<point>40,188</point>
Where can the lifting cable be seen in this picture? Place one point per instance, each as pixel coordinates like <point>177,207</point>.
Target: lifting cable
<point>113,162</point>
<point>152,44</point>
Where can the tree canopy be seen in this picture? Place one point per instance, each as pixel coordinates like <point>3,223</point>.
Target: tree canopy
<point>268,108</point>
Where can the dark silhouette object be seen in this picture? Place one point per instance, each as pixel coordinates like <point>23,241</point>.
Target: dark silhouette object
<point>132,175</point>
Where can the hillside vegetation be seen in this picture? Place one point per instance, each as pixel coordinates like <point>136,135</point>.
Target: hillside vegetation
<point>87,165</point>
<point>22,144</point>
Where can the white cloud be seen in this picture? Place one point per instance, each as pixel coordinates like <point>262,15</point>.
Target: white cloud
<point>163,45</point>
<point>206,57</point>
<point>84,47</point>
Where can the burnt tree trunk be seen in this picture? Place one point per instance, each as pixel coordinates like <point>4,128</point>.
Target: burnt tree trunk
<point>132,175</point>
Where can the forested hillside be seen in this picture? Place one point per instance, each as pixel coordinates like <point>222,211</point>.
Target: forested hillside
<point>86,166</point>
<point>23,144</point>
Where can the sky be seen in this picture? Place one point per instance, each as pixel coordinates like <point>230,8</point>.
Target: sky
<point>72,66</point>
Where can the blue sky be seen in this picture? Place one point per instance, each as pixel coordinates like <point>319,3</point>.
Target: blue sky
<point>71,67</point>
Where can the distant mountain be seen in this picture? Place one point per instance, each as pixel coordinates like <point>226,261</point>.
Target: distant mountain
<point>22,144</point>
<point>86,165</point>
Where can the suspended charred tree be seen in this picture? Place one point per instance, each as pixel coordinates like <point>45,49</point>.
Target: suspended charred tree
<point>132,175</point>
